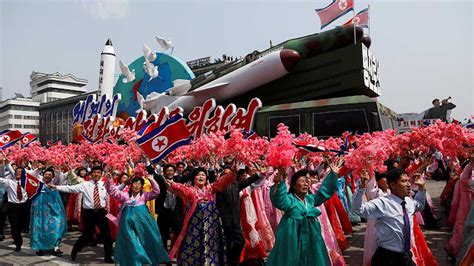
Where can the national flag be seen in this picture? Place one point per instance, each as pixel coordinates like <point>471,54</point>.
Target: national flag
<point>249,135</point>
<point>27,139</point>
<point>31,184</point>
<point>9,138</point>
<point>334,11</point>
<point>308,147</point>
<point>361,19</point>
<point>158,141</point>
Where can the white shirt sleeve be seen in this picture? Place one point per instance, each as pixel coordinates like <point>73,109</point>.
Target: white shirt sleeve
<point>72,189</point>
<point>370,210</point>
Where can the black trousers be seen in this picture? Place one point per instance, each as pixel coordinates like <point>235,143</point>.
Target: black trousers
<point>26,213</point>
<point>235,242</point>
<point>385,257</point>
<point>16,216</point>
<point>94,218</point>
<point>3,213</point>
<point>168,220</point>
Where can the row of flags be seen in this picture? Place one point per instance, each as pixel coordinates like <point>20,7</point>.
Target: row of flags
<point>339,8</point>
<point>9,138</point>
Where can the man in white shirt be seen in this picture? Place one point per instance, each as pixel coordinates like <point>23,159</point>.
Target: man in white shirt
<point>16,205</point>
<point>94,197</point>
<point>394,217</point>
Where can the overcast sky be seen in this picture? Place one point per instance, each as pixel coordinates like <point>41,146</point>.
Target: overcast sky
<point>425,47</point>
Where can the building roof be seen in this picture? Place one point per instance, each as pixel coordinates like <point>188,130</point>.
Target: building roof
<point>37,77</point>
<point>66,101</point>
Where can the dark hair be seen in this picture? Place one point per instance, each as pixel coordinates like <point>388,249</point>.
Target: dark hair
<point>433,101</point>
<point>49,169</point>
<point>394,175</point>
<point>41,161</point>
<point>79,169</point>
<point>180,163</point>
<point>295,178</point>
<point>195,172</point>
<point>98,167</point>
<point>169,165</point>
<point>379,176</point>
<point>390,162</point>
<point>136,179</point>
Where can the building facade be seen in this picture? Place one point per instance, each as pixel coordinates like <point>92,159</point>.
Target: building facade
<point>21,114</point>
<point>56,119</point>
<point>47,88</point>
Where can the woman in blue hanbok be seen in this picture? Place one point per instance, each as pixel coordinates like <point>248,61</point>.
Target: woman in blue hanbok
<point>48,219</point>
<point>138,240</point>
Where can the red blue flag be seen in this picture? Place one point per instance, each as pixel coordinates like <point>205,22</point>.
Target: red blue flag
<point>334,11</point>
<point>157,141</point>
<point>27,139</point>
<point>31,184</point>
<point>361,19</point>
<point>9,138</point>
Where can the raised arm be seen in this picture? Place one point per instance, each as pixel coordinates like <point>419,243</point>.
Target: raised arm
<point>155,190</point>
<point>181,190</point>
<point>279,196</point>
<point>329,185</point>
<point>369,210</point>
<point>223,182</point>
<point>327,189</point>
<point>114,191</point>
<point>79,188</point>
<point>420,197</point>
<point>247,182</point>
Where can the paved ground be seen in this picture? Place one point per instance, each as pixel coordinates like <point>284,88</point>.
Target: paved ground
<point>94,255</point>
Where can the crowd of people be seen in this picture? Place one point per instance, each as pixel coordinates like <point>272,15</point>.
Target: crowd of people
<point>228,211</point>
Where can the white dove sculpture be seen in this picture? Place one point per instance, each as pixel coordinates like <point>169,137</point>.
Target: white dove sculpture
<point>165,43</point>
<point>140,101</point>
<point>129,75</point>
<point>150,69</point>
<point>148,53</point>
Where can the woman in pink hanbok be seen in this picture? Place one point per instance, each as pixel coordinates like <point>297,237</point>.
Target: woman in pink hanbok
<point>263,225</point>
<point>334,252</point>
<point>465,201</point>
<point>273,214</point>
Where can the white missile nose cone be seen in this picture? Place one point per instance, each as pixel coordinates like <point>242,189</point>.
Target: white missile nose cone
<point>109,42</point>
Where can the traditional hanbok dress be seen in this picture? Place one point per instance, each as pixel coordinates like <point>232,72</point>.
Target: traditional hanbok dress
<point>138,240</point>
<point>299,239</point>
<point>335,253</point>
<point>336,222</point>
<point>201,241</point>
<point>254,248</point>
<point>273,214</point>
<point>465,200</point>
<point>263,225</point>
<point>422,254</point>
<point>48,220</point>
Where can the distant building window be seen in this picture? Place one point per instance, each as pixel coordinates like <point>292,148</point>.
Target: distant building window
<point>17,126</point>
<point>30,117</point>
<point>30,126</point>
<point>22,108</point>
<point>18,117</point>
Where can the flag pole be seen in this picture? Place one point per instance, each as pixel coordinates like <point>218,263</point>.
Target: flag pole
<point>368,14</point>
<point>353,24</point>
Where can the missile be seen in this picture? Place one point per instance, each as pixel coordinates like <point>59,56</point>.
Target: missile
<point>252,75</point>
<point>107,69</point>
